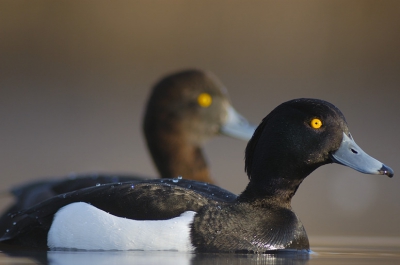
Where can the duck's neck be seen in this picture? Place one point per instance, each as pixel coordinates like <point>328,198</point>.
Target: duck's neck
<point>276,191</point>
<point>174,155</point>
<point>275,185</point>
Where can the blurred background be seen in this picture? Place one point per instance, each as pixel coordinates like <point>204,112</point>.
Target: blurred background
<point>75,76</point>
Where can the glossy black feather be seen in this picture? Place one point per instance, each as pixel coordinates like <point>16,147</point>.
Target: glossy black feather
<point>240,228</point>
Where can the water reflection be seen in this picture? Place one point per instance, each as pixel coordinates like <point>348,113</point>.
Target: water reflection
<point>155,257</point>
<point>273,259</point>
<point>118,257</point>
<point>322,255</point>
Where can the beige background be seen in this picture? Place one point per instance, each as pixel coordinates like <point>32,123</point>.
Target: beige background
<point>74,77</point>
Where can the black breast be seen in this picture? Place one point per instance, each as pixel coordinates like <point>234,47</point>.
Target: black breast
<point>241,228</point>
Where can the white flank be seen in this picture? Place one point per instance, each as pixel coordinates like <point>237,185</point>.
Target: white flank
<point>83,226</point>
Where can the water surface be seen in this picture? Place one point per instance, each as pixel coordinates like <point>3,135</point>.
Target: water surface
<point>325,251</point>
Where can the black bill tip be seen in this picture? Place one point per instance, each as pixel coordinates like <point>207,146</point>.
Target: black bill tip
<point>385,170</point>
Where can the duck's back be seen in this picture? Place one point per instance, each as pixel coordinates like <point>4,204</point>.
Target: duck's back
<point>136,200</point>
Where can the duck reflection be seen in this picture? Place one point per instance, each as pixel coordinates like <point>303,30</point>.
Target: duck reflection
<point>156,257</point>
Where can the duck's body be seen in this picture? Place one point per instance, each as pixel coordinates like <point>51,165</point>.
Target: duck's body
<point>292,141</point>
<point>219,221</point>
<point>184,110</point>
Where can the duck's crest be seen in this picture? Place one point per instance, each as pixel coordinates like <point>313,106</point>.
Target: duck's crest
<point>251,145</point>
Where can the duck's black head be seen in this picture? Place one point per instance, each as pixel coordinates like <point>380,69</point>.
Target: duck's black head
<point>174,105</point>
<point>184,110</point>
<point>296,138</point>
<point>195,104</point>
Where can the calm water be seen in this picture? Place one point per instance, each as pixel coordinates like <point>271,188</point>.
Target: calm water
<point>365,251</point>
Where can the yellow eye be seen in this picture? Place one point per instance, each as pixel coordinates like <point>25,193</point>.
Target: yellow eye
<point>316,123</point>
<point>204,100</point>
